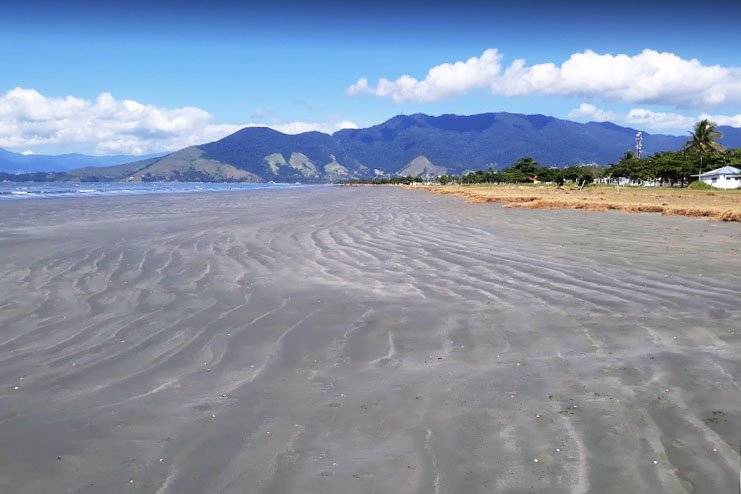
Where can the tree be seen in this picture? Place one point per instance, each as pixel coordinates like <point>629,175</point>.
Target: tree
<point>527,166</point>
<point>703,139</point>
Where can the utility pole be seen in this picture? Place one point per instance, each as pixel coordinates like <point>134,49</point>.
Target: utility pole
<point>639,144</point>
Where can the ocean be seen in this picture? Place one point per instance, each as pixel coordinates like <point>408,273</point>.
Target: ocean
<point>45,190</point>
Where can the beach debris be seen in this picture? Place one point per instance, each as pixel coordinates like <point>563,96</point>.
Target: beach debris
<point>715,450</point>
<point>161,460</point>
<point>213,415</point>
<point>537,415</point>
<point>343,395</point>
<point>517,364</point>
<point>535,460</point>
<point>558,450</point>
<point>656,462</point>
<point>131,481</point>
<point>59,457</point>
<point>223,395</point>
<point>123,341</point>
<point>208,370</point>
<point>334,464</point>
<point>16,388</point>
<point>252,366</point>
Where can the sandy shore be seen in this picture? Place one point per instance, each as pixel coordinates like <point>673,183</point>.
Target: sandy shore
<point>364,340</point>
<point>722,205</point>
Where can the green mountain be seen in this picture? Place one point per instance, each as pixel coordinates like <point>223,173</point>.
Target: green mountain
<point>406,144</point>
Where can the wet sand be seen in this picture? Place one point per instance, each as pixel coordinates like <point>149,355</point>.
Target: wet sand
<point>365,340</point>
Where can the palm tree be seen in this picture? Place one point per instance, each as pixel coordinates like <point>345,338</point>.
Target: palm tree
<point>702,140</point>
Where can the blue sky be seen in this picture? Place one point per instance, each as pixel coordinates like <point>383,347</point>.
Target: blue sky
<point>143,77</point>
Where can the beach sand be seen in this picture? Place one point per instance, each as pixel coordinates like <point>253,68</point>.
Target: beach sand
<point>365,340</point>
<point>718,205</point>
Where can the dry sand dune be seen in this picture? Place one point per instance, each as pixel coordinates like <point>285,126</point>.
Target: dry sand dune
<point>364,340</point>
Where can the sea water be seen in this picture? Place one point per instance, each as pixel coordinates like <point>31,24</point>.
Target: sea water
<point>41,190</point>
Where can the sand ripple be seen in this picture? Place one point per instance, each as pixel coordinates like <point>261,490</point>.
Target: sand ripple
<point>364,340</point>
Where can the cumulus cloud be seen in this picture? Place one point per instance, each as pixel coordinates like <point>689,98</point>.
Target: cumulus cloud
<point>301,127</point>
<point>647,119</point>
<point>101,126</point>
<point>107,125</point>
<point>443,81</point>
<point>644,118</point>
<point>590,112</point>
<point>649,77</point>
<point>730,120</point>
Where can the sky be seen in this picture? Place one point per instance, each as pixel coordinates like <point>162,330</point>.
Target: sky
<point>142,77</point>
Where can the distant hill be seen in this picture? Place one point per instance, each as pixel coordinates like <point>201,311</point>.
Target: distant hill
<point>25,163</point>
<point>422,167</point>
<point>416,144</point>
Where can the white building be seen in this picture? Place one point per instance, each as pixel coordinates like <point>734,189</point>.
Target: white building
<point>727,177</point>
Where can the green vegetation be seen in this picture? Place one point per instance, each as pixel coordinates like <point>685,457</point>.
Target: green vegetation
<point>34,177</point>
<point>699,185</point>
<point>393,180</point>
<point>703,140</point>
<point>672,168</point>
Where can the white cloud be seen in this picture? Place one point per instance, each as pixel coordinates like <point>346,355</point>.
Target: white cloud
<point>654,120</point>
<point>28,152</point>
<point>101,126</point>
<point>110,126</point>
<point>443,81</point>
<point>591,113</point>
<point>646,119</point>
<point>649,119</point>
<point>730,120</point>
<point>649,77</point>
<point>301,127</point>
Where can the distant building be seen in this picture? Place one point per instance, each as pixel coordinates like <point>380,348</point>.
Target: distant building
<point>727,177</point>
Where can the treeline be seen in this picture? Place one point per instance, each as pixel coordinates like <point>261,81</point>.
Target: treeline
<point>389,180</point>
<point>33,177</point>
<point>525,170</point>
<point>671,167</point>
<point>666,167</point>
<point>528,170</point>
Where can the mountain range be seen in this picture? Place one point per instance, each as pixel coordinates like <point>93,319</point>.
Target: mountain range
<point>26,163</point>
<point>416,144</point>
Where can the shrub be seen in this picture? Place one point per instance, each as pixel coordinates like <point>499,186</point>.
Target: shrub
<point>699,185</point>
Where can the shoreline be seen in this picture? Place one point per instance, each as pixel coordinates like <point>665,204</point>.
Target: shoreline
<point>714,205</point>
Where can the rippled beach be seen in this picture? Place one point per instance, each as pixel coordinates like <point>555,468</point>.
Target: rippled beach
<point>359,339</point>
